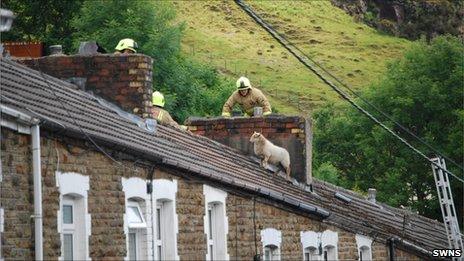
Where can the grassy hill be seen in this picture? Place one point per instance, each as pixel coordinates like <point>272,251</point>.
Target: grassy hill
<point>221,34</point>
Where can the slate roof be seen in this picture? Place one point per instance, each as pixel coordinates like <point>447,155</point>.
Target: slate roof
<point>26,90</point>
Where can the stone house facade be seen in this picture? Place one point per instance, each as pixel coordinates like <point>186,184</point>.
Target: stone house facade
<point>115,187</point>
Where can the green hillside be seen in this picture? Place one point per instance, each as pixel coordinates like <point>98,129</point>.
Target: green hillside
<point>222,35</point>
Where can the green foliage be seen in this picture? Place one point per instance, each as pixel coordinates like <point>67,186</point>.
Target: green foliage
<point>430,18</point>
<point>47,21</point>
<point>423,91</point>
<point>190,88</point>
<point>194,90</point>
<point>329,173</point>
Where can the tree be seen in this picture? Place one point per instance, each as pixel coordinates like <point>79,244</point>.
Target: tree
<point>189,88</point>
<point>424,92</point>
<point>46,21</point>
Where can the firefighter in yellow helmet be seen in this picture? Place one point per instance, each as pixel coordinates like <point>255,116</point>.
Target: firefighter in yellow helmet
<point>247,98</point>
<point>126,46</point>
<point>159,114</point>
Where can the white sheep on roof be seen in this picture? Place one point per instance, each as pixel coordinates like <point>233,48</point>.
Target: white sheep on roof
<point>270,153</point>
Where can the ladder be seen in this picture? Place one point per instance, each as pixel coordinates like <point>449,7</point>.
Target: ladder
<point>445,198</point>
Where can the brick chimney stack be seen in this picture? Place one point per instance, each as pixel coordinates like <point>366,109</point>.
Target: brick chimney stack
<point>292,133</point>
<point>125,80</point>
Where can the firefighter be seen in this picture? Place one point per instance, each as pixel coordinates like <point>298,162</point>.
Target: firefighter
<point>126,46</point>
<point>159,114</point>
<point>247,98</point>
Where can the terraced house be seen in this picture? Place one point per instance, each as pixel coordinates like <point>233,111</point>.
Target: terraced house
<point>87,175</point>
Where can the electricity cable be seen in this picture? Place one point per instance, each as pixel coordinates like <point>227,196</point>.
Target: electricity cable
<point>285,43</point>
<point>374,106</point>
<point>37,63</point>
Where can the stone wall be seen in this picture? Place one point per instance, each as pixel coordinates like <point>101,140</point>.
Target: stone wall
<point>106,207</point>
<point>293,133</point>
<point>125,80</point>
<point>16,196</point>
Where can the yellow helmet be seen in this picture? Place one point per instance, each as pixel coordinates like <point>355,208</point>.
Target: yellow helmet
<point>127,44</point>
<point>243,83</point>
<point>158,99</point>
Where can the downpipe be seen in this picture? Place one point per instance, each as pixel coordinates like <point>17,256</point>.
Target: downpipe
<point>37,174</point>
<point>391,248</point>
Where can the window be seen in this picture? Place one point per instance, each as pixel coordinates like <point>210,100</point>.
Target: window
<point>216,230</point>
<point>311,253</point>
<point>215,223</point>
<point>319,245</point>
<point>271,252</point>
<point>330,253</point>
<point>364,247</point>
<point>2,218</point>
<point>69,228</point>
<point>271,239</point>
<point>73,217</point>
<point>159,245</point>
<point>166,224</point>
<point>137,230</point>
<point>137,213</point>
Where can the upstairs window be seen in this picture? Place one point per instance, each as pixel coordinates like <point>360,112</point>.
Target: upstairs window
<point>137,214</point>
<point>69,228</point>
<point>137,230</point>
<point>73,219</point>
<point>330,253</point>
<point>364,247</point>
<point>216,232</point>
<point>271,239</point>
<point>311,253</point>
<point>216,224</point>
<point>271,252</point>
<point>165,219</point>
<point>319,245</point>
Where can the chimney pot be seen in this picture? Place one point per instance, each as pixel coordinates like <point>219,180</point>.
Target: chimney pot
<point>56,49</point>
<point>371,195</point>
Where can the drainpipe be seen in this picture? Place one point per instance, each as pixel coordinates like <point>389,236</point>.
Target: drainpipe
<point>25,124</point>
<point>36,171</point>
<point>391,247</point>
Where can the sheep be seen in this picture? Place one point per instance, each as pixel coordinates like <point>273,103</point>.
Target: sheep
<point>269,152</point>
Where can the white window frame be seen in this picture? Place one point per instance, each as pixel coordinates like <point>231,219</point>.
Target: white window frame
<point>164,192</point>
<point>2,227</point>
<point>215,200</point>
<point>271,237</point>
<point>135,193</point>
<point>76,186</point>
<point>272,251</point>
<point>134,204</point>
<point>69,229</point>
<point>158,231</point>
<point>138,229</point>
<point>310,256</point>
<point>364,242</point>
<point>310,239</point>
<point>137,243</point>
<point>328,240</point>
<point>330,243</point>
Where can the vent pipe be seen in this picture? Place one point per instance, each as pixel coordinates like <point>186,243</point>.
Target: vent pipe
<point>371,195</point>
<point>56,49</point>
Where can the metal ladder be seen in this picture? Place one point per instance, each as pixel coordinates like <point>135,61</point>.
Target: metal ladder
<point>446,204</point>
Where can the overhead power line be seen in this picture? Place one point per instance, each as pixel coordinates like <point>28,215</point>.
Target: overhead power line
<point>288,45</point>
<point>377,108</point>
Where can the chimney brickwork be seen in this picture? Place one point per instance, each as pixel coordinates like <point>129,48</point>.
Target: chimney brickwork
<point>292,133</point>
<point>125,80</point>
